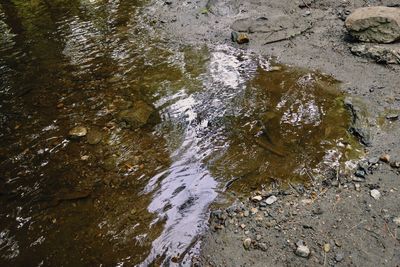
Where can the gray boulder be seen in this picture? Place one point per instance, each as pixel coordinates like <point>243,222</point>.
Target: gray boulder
<point>377,24</point>
<point>385,54</point>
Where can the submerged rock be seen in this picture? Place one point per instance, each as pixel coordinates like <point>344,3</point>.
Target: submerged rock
<point>137,116</point>
<point>77,132</point>
<point>387,54</point>
<point>376,24</point>
<point>94,136</point>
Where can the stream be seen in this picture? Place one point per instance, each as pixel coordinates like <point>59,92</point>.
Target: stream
<point>214,120</point>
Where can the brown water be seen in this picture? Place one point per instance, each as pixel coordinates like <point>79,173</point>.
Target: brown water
<point>224,118</point>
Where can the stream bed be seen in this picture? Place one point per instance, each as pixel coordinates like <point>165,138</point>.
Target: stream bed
<point>169,129</point>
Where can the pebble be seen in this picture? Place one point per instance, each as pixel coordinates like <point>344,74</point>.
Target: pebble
<point>258,237</point>
<point>397,221</point>
<point>375,194</point>
<point>302,251</point>
<point>247,243</point>
<point>94,137</point>
<point>385,158</point>
<point>78,131</point>
<point>246,213</point>
<point>257,198</point>
<point>271,200</point>
<point>357,186</point>
<point>242,226</point>
<point>327,247</point>
<point>392,116</point>
<point>339,257</point>
<point>254,210</point>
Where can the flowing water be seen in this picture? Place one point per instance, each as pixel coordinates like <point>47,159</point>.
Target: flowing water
<point>221,119</point>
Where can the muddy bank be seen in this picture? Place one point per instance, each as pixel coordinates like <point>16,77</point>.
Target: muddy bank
<point>359,229</point>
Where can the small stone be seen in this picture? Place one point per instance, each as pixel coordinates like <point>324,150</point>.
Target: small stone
<point>239,37</point>
<point>254,210</point>
<point>395,164</point>
<point>94,136</point>
<point>262,246</point>
<point>375,194</point>
<point>258,237</point>
<point>271,200</point>
<point>247,243</point>
<point>275,68</point>
<point>302,251</point>
<point>396,220</point>
<point>392,116</point>
<point>257,198</point>
<point>242,226</point>
<point>246,213</point>
<point>85,157</point>
<point>339,257</point>
<point>357,186</point>
<point>77,132</point>
<point>373,160</point>
<point>385,158</point>
<point>327,247</point>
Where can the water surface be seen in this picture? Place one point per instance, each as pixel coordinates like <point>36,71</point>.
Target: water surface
<point>224,119</point>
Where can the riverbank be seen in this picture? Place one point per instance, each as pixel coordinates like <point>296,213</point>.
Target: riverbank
<point>341,220</point>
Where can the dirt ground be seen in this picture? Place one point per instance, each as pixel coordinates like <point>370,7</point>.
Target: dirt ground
<point>337,219</point>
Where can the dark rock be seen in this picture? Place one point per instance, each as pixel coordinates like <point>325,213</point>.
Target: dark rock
<point>360,126</point>
<point>94,136</point>
<point>110,163</point>
<point>139,115</point>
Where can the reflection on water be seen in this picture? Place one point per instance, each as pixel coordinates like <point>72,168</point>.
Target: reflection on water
<point>139,195</point>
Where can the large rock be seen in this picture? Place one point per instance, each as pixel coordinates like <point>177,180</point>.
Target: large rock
<point>377,24</point>
<point>385,54</point>
<point>140,114</point>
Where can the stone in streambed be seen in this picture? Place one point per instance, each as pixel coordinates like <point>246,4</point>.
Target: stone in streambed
<point>376,24</point>
<point>139,115</point>
<point>94,136</point>
<point>77,132</point>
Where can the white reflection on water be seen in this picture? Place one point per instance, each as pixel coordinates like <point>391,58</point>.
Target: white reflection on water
<point>183,192</point>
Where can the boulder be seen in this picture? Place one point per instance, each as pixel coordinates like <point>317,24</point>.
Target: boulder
<point>139,115</point>
<point>385,54</point>
<point>376,24</point>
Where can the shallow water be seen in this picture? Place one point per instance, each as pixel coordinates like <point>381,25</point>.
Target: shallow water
<point>224,119</point>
